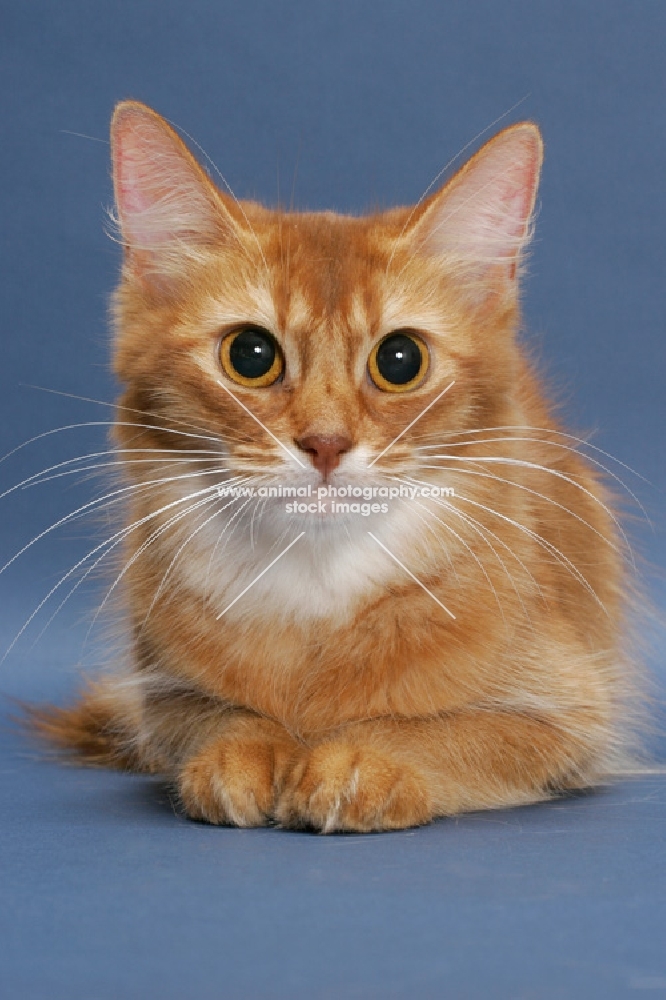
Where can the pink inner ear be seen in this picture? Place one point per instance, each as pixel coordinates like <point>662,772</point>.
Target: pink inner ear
<point>134,190</point>
<point>517,202</point>
<point>483,214</point>
<point>162,196</point>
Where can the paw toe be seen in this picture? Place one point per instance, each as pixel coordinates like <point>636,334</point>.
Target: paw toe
<point>342,787</point>
<point>229,783</point>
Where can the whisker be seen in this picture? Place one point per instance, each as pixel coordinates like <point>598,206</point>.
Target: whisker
<point>560,557</point>
<point>106,423</point>
<point>262,425</point>
<point>554,444</point>
<point>91,505</point>
<point>254,511</point>
<point>260,504</point>
<point>157,533</point>
<point>154,535</point>
<point>118,535</point>
<point>542,496</point>
<point>469,549</point>
<point>432,530</point>
<point>94,565</point>
<point>108,545</point>
<point>483,530</point>
<point>114,406</point>
<point>120,465</point>
<point>549,430</point>
<point>175,558</point>
<point>229,524</point>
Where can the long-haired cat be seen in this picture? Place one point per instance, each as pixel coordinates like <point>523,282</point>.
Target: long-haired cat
<point>368,578</point>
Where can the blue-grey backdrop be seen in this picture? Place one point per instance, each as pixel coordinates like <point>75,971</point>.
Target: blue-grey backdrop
<point>348,105</point>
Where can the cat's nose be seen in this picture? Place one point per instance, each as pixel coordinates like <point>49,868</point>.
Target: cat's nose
<point>325,451</point>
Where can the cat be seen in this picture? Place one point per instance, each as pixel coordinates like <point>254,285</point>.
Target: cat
<point>369,580</point>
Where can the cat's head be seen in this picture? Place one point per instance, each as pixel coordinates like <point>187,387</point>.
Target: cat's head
<point>316,347</point>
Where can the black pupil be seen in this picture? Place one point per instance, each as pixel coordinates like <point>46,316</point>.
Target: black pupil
<point>399,359</point>
<point>252,353</point>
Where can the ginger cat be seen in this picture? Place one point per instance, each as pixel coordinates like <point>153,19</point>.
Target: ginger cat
<point>446,638</point>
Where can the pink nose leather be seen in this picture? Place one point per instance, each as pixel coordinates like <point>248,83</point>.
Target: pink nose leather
<point>324,451</point>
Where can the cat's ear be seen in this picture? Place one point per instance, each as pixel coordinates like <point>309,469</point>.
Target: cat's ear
<point>481,220</point>
<point>167,206</point>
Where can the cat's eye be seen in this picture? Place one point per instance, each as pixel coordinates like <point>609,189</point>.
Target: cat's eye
<point>251,357</point>
<point>399,362</point>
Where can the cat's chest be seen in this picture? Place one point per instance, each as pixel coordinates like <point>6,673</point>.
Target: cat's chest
<point>240,584</point>
<point>311,675</point>
<point>280,570</point>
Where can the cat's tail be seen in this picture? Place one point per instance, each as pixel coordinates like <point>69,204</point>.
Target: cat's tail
<point>100,729</point>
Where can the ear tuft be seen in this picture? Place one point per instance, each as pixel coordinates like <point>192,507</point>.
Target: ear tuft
<point>165,201</point>
<point>481,219</point>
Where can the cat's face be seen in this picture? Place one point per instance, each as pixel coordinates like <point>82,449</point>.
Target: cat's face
<point>311,351</point>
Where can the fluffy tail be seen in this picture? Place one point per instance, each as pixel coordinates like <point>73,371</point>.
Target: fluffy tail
<point>100,729</point>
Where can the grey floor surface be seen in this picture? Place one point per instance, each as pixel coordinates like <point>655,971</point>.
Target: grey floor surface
<point>108,893</point>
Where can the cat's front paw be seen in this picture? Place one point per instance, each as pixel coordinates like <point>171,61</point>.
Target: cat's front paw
<point>233,781</point>
<point>338,786</point>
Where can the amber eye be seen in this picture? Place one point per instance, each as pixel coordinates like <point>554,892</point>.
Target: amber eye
<point>251,356</point>
<point>398,362</point>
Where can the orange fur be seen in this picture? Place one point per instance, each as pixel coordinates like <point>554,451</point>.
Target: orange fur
<point>336,693</point>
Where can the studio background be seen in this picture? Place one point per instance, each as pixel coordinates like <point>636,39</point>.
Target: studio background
<point>343,105</point>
